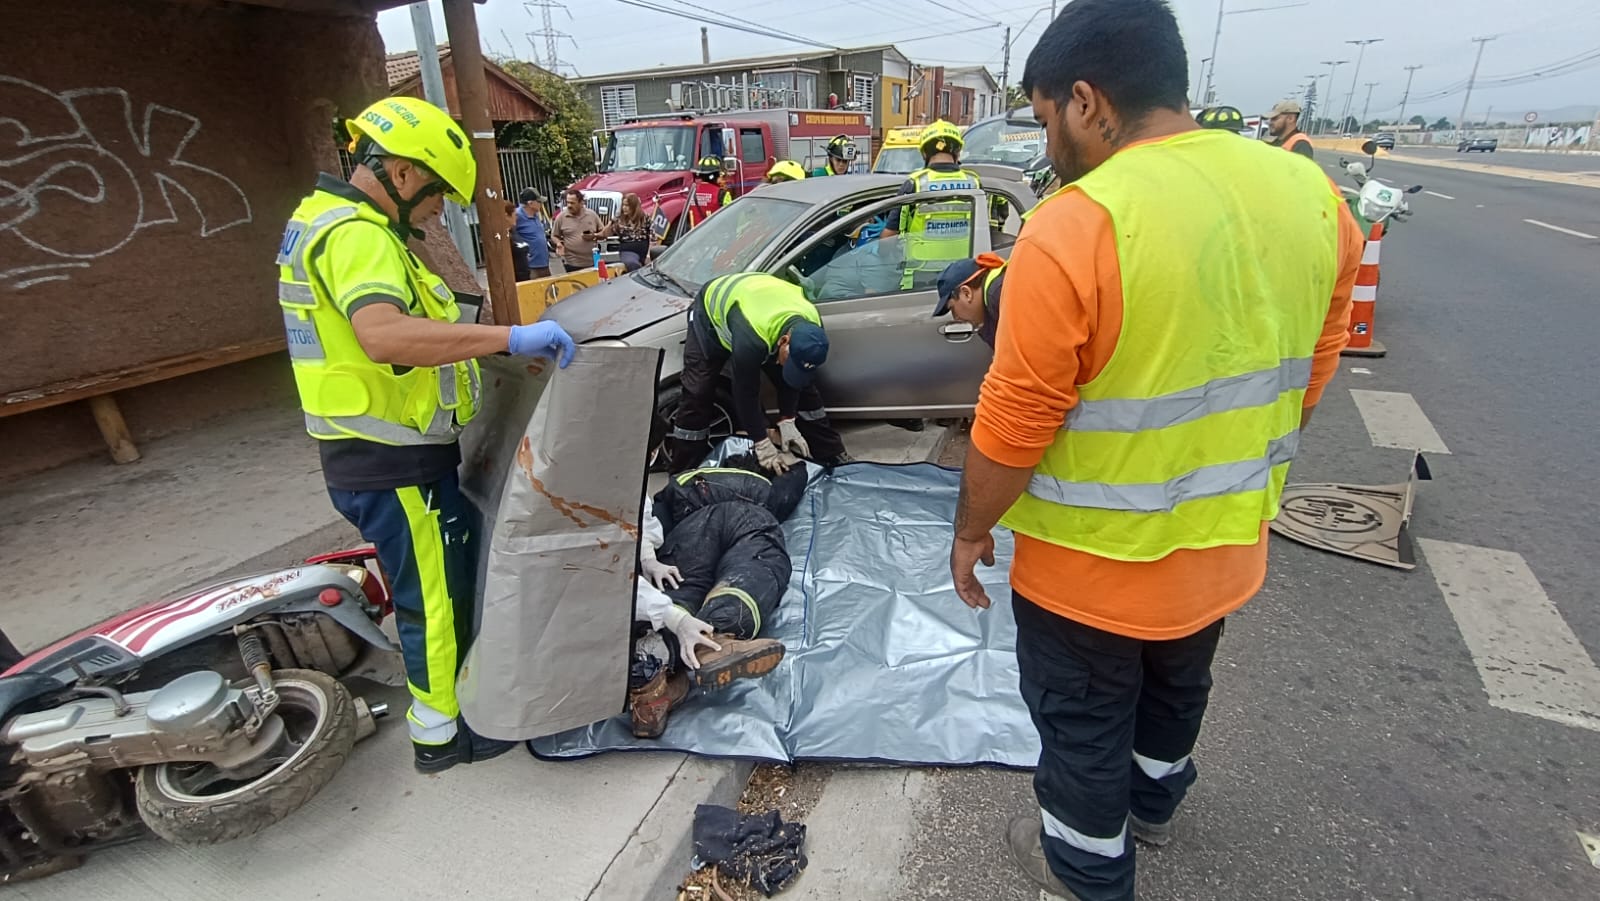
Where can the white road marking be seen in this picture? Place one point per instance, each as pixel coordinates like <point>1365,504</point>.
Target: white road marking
<point>1348,190</point>
<point>1437,194</point>
<point>1360,370</point>
<point>1526,654</point>
<point>1564,231</point>
<point>1394,419</point>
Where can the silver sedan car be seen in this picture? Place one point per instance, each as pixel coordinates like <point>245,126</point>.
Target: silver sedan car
<point>889,359</point>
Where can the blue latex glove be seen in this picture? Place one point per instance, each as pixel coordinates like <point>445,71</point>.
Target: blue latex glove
<point>542,339</point>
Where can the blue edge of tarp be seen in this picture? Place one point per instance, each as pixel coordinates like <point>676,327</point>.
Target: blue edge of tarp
<point>885,663</point>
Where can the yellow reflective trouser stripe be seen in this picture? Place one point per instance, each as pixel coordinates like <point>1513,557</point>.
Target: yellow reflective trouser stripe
<point>1215,480</point>
<point>438,608</point>
<point>714,470</point>
<point>742,595</point>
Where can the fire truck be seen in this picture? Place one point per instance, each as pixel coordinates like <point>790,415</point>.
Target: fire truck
<point>654,157</point>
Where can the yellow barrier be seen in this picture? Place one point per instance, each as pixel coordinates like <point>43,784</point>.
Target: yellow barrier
<point>534,296</point>
<point>1343,145</point>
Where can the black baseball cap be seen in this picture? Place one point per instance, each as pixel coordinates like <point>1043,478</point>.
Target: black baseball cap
<point>530,194</point>
<point>959,273</point>
<point>808,349</point>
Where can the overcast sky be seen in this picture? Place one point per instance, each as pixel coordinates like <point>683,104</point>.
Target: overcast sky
<point>1264,55</point>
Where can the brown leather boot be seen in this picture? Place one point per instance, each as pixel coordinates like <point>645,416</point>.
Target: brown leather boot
<point>650,705</point>
<point>740,658</point>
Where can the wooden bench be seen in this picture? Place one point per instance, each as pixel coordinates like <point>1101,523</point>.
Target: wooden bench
<point>99,390</point>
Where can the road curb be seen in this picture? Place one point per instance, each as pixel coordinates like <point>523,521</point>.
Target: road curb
<point>656,857</point>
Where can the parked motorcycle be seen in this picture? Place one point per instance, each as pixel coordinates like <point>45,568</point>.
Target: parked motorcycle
<point>201,718</point>
<point>1377,201</point>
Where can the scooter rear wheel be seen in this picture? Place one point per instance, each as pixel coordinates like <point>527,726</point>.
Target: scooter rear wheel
<point>192,804</point>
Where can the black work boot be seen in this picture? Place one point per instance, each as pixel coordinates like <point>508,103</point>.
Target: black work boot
<point>468,747</point>
<point>740,658</point>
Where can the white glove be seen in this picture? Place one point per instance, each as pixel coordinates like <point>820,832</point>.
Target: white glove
<point>769,458</point>
<point>692,634</point>
<point>791,439</point>
<point>661,575</point>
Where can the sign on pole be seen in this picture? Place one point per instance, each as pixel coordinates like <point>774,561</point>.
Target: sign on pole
<point>1531,118</point>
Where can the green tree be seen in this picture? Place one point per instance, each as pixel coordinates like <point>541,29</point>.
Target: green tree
<point>1417,120</point>
<point>1442,124</point>
<point>560,144</point>
<point>1015,99</point>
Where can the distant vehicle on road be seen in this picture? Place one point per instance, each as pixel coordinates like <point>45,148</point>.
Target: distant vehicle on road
<point>1384,139</point>
<point>1487,145</point>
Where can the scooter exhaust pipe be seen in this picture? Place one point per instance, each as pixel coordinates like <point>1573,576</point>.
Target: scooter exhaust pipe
<point>367,716</point>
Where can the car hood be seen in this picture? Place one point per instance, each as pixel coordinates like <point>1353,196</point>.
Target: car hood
<point>615,309</point>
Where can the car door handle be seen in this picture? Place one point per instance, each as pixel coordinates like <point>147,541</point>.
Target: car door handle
<point>957,332</point>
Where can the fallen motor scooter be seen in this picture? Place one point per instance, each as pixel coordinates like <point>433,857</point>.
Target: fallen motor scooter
<point>202,718</point>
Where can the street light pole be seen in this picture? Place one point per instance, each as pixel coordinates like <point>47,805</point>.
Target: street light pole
<point>1461,123</point>
<point>1333,66</point>
<point>1345,116</point>
<point>1368,104</point>
<point>1411,72</point>
<point>1198,77</point>
<point>1216,38</point>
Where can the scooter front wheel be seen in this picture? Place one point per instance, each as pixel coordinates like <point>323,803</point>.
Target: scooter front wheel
<point>195,804</point>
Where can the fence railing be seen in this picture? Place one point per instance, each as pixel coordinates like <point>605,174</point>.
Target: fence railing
<point>517,171</point>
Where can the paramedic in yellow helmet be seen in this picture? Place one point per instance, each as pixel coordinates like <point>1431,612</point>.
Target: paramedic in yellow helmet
<point>387,377</point>
<point>935,234</point>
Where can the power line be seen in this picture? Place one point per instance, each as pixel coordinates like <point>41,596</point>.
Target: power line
<point>712,12</point>
<point>724,23</point>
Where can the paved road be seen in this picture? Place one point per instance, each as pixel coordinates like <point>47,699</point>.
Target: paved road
<point>1352,750</point>
<point>1553,162</point>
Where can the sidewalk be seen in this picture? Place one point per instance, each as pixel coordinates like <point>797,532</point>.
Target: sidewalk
<point>91,539</point>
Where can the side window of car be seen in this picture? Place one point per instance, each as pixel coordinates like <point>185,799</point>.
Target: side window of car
<point>903,248</point>
<point>1005,221</point>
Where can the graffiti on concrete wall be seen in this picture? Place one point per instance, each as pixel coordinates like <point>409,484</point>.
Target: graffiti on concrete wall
<point>1558,136</point>
<point>83,171</point>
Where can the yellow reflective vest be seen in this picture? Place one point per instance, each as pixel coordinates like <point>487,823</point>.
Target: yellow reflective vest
<point>768,303</point>
<point>344,393</point>
<point>938,233</point>
<point>1228,254</point>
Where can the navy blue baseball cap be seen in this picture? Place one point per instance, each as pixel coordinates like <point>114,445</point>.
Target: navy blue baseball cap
<point>808,349</point>
<point>959,273</point>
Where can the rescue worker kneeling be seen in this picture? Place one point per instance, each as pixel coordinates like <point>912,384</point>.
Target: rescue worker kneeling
<point>763,324</point>
<point>716,564</point>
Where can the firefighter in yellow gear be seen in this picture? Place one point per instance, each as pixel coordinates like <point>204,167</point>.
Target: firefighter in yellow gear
<point>387,375</point>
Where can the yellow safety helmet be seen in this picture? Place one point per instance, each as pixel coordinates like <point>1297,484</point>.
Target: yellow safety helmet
<point>788,170</point>
<point>416,130</point>
<point>940,137</point>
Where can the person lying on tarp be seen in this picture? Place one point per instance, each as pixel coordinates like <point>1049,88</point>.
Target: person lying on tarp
<point>713,569</point>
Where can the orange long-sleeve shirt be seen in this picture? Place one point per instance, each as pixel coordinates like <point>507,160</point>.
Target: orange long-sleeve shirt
<point>1063,317</point>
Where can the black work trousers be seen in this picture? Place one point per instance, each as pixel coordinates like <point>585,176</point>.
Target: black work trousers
<point>703,360</point>
<point>1117,719</point>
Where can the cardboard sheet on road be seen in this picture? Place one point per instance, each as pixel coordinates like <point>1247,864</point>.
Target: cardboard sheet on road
<point>884,662</point>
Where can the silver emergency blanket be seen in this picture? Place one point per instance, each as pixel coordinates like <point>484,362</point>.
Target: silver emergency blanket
<point>885,663</point>
<point>554,462</point>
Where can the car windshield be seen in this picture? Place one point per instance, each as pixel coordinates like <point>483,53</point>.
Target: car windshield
<point>1006,143</point>
<point>654,149</point>
<point>728,241</point>
<point>898,160</point>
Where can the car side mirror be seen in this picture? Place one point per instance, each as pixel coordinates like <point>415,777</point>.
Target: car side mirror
<point>1414,189</point>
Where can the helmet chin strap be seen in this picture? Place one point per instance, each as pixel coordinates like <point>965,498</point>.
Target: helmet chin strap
<point>402,206</point>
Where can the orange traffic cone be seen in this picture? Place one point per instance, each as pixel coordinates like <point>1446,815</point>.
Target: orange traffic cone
<point>1364,298</point>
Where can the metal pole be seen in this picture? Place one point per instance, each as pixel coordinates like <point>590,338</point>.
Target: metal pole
<point>1461,122</point>
<point>455,218</point>
<point>1411,72</point>
<point>1368,104</point>
<point>472,89</point>
<point>1199,76</point>
<point>1333,65</point>
<point>705,46</point>
<point>1216,37</point>
<point>1345,116</point>
<point>1005,74</point>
